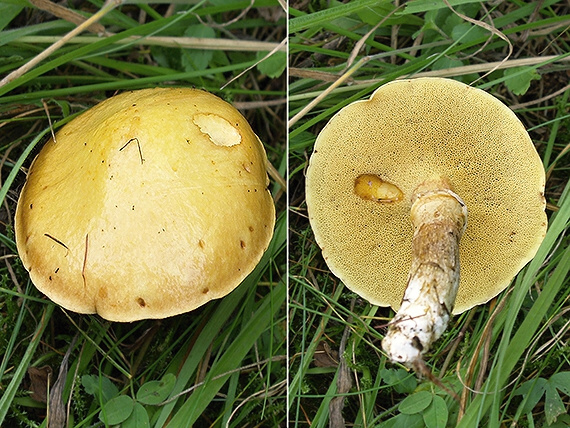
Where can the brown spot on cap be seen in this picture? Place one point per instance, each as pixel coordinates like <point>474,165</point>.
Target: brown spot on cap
<point>103,294</point>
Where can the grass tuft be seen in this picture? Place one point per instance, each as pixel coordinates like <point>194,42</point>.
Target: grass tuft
<point>227,355</point>
<point>497,358</point>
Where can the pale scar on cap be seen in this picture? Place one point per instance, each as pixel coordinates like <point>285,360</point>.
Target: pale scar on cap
<point>219,130</point>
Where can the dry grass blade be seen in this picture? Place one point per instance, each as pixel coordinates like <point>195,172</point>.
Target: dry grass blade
<point>444,72</point>
<point>358,46</point>
<point>274,173</point>
<point>345,76</point>
<point>540,100</point>
<point>557,338</point>
<point>67,14</point>
<point>166,41</point>
<point>46,109</point>
<point>327,91</point>
<point>483,341</point>
<point>232,21</point>
<point>107,7</point>
<point>275,389</point>
<point>238,370</point>
<point>275,49</point>
<point>343,383</point>
<point>562,153</point>
<point>57,410</point>
<point>489,28</point>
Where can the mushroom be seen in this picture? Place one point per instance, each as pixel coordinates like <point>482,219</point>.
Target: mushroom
<point>389,187</point>
<point>148,205</point>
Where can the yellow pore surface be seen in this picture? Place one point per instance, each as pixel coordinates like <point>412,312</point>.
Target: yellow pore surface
<point>408,132</point>
<point>147,205</point>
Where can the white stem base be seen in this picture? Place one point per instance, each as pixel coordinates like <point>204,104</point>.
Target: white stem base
<point>439,217</point>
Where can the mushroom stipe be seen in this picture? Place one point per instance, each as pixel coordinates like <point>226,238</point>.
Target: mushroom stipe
<point>439,217</point>
<point>389,187</point>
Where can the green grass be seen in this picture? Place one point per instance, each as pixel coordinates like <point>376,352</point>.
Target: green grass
<point>220,365</point>
<point>508,369</point>
<point>224,363</point>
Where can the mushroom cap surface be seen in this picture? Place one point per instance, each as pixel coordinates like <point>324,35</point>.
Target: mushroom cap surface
<point>147,205</point>
<point>410,131</point>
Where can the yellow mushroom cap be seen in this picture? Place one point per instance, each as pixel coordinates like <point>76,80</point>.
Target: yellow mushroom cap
<point>407,132</point>
<point>148,205</point>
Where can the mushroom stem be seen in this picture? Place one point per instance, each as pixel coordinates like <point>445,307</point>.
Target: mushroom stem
<point>439,218</point>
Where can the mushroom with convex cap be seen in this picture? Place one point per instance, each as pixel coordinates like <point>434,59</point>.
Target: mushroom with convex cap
<point>147,205</point>
<point>403,186</point>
